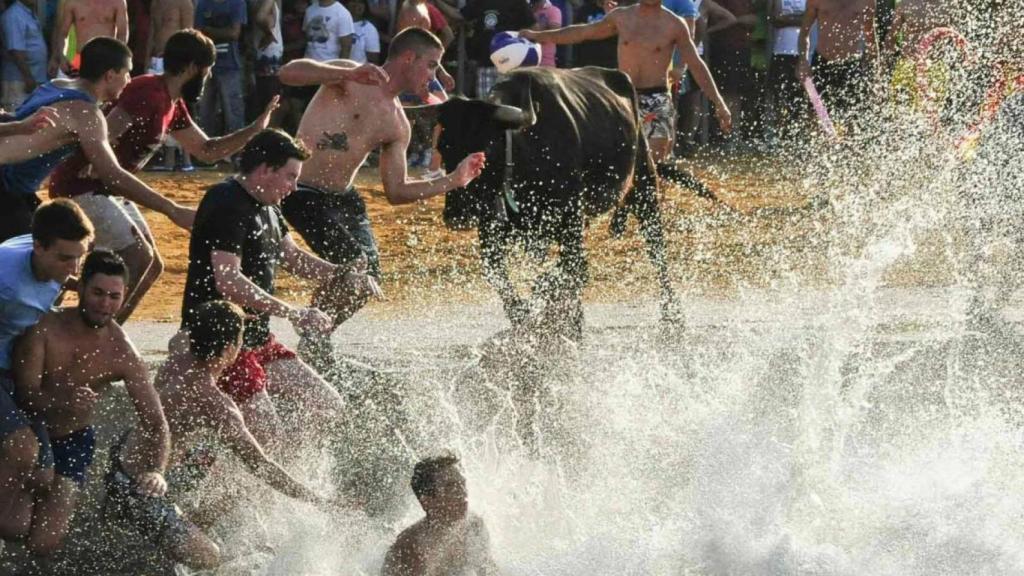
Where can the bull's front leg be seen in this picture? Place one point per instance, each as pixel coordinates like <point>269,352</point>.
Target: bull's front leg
<point>648,213</point>
<point>494,247</point>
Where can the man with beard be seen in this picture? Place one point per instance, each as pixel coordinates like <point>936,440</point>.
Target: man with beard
<point>81,351</point>
<point>149,108</point>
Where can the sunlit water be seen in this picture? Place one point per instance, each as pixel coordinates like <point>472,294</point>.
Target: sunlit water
<point>858,428</point>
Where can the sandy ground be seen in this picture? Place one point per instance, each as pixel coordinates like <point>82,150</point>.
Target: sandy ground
<point>423,262</point>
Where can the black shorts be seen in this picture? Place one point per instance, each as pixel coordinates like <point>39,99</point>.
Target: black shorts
<point>17,210</point>
<point>72,454</point>
<point>334,224</point>
<point>843,83</point>
<point>731,70</point>
<point>788,94</point>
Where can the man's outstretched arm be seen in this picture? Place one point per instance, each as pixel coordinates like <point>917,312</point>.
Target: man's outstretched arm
<point>309,72</point>
<point>400,189</point>
<point>604,28</point>
<point>206,149</point>
<point>700,72</point>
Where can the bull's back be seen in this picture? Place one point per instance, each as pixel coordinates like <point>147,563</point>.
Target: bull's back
<point>587,125</point>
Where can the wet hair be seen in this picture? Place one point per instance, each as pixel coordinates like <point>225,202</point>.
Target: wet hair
<point>60,219</point>
<point>417,40</point>
<point>103,262</point>
<point>273,148</point>
<point>188,46</point>
<point>426,471</point>
<point>102,54</point>
<point>215,325</point>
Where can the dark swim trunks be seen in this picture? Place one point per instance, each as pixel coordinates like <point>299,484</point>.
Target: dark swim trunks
<point>842,83</point>
<point>247,377</point>
<point>12,418</point>
<point>72,454</point>
<point>155,517</point>
<point>334,224</point>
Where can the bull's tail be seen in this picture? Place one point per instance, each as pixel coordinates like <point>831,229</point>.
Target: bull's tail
<point>670,172</point>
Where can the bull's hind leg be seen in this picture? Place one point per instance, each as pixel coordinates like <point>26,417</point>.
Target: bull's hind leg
<point>644,199</point>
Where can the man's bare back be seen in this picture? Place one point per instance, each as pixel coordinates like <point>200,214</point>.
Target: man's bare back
<point>168,17</point>
<point>77,357</point>
<point>647,37</point>
<point>342,125</point>
<point>842,25</point>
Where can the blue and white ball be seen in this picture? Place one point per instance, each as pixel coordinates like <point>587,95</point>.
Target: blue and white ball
<point>509,51</point>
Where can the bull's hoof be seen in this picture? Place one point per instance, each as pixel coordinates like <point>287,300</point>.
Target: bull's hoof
<point>518,311</point>
<point>672,314</point>
<point>618,225</point>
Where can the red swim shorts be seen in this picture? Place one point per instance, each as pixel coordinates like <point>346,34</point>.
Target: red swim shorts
<point>247,377</point>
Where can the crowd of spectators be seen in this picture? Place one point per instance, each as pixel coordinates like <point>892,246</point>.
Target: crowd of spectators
<point>749,45</point>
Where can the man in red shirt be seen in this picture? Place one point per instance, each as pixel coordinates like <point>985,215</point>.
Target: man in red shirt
<point>149,108</point>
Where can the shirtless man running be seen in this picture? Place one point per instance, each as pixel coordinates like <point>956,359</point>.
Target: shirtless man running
<point>648,34</point>
<point>344,122</point>
<point>91,19</point>
<point>25,161</point>
<point>194,406</point>
<point>847,51</point>
<point>82,351</point>
<point>449,539</point>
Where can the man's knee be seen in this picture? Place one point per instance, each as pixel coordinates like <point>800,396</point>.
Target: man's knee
<point>196,551</point>
<point>20,450</point>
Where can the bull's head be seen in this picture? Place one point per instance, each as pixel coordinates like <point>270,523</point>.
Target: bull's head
<point>469,126</point>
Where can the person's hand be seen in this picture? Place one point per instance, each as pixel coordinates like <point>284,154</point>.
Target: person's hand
<point>82,401</point>
<point>183,216</point>
<point>609,5</point>
<point>42,118</point>
<point>57,64</point>
<point>724,118</point>
<point>469,169</point>
<point>263,120</point>
<point>151,484</point>
<point>311,321</point>
<point>530,35</point>
<point>675,76</point>
<point>370,74</point>
<point>446,79</point>
<point>365,283</point>
<point>803,70</point>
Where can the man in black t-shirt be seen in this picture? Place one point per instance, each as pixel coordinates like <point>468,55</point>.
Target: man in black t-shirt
<point>488,17</point>
<point>238,239</point>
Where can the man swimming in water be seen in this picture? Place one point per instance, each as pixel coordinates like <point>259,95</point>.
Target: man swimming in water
<point>194,407</point>
<point>82,351</point>
<point>449,539</point>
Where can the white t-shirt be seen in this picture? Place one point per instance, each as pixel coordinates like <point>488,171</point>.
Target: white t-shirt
<point>323,26</point>
<point>787,39</point>
<point>366,40</point>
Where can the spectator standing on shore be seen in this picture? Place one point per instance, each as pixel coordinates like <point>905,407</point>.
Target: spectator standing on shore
<point>329,28</point>
<point>789,105</point>
<point>269,51</point>
<point>366,41</point>
<point>730,57</point>
<point>24,62</point>
<point>487,17</point>
<point>548,17</point>
<point>295,98</point>
<point>602,53</point>
<point>222,22</point>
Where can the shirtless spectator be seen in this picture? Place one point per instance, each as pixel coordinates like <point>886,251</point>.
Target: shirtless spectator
<point>449,539</point>
<point>61,366</point>
<point>91,19</point>
<point>149,109</point>
<point>33,269</point>
<point>25,161</point>
<point>237,242</point>
<point>197,412</point>
<point>846,54</point>
<point>648,33</point>
<point>423,14</point>
<point>344,122</point>
<point>167,17</point>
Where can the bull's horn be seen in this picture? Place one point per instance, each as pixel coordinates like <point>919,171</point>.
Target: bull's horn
<point>510,115</point>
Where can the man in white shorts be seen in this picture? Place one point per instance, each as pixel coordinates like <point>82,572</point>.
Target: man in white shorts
<point>149,108</point>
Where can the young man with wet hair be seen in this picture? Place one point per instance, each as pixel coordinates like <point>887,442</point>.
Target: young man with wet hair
<point>344,122</point>
<point>449,539</point>
<point>25,161</point>
<point>61,366</point>
<point>195,407</point>
<point>32,270</point>
<point>149,109</point>
<point>237,243</point>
